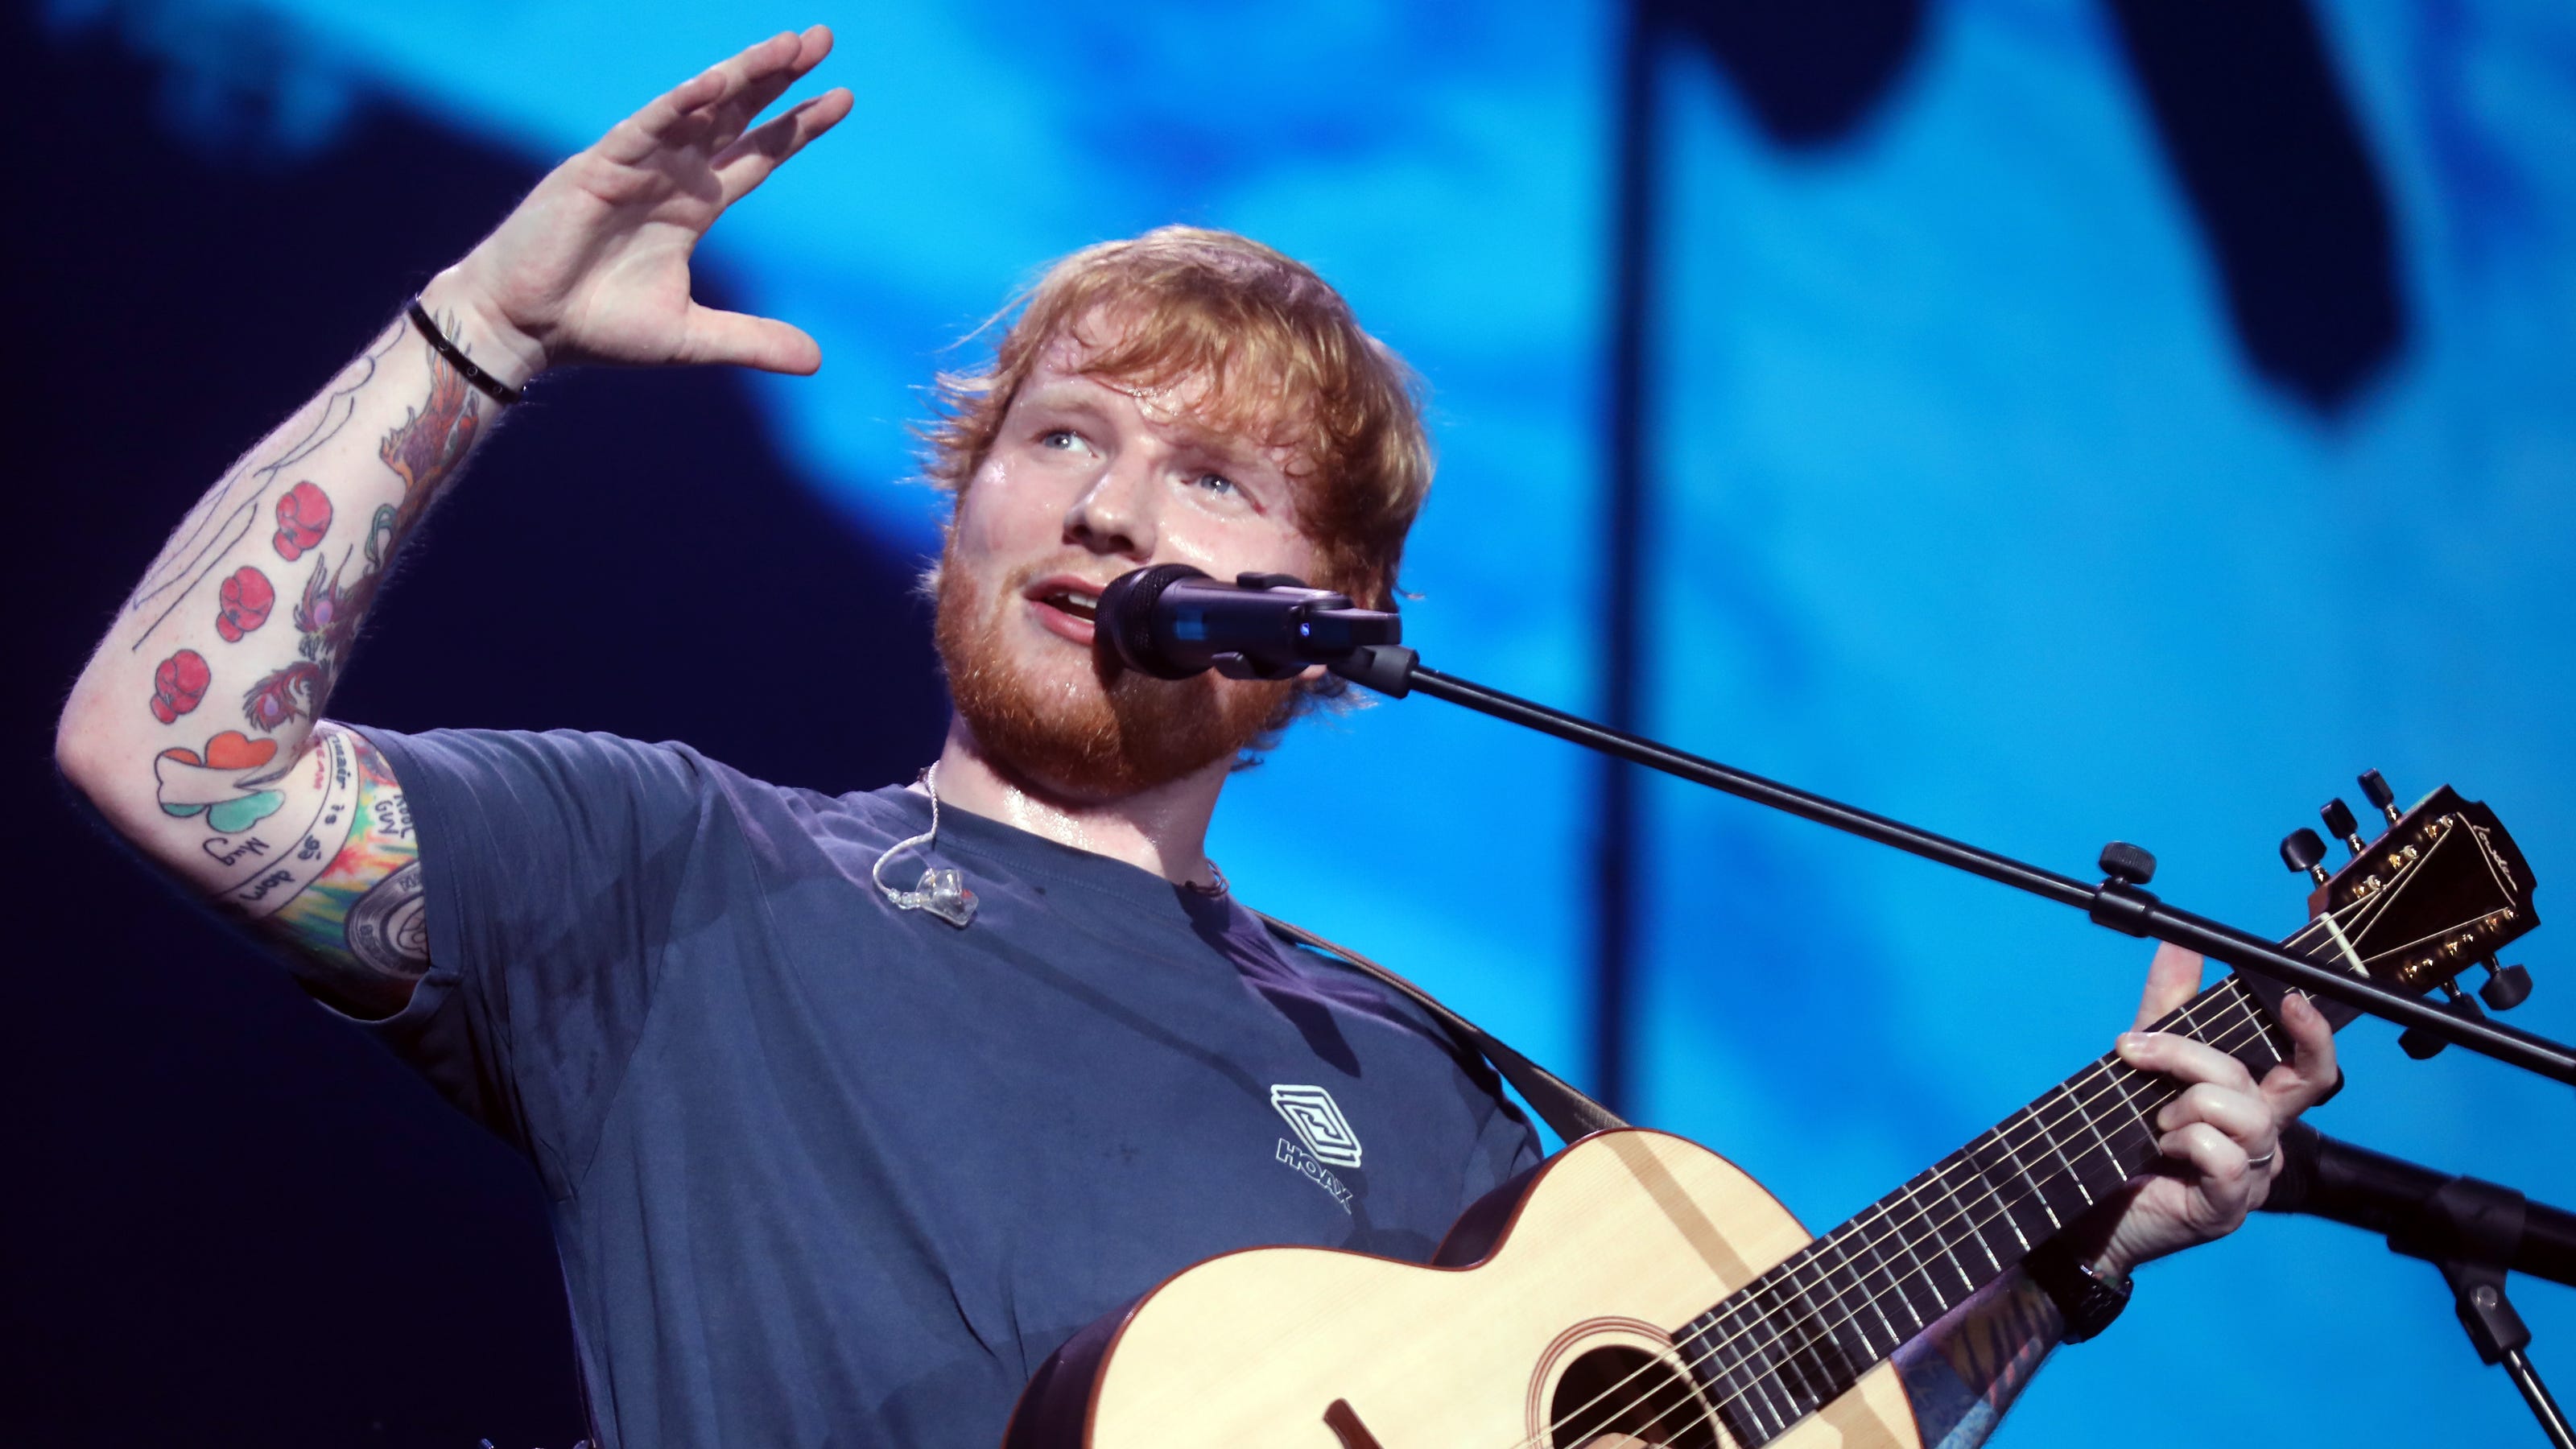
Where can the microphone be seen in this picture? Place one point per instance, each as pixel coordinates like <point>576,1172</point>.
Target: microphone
<point>2423,1212</point>
<point>1172,621</point>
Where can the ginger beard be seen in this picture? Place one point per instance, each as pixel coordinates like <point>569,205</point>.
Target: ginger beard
<point>1095,733</point>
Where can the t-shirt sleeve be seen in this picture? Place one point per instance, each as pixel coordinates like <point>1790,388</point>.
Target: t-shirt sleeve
<point>550,864</point>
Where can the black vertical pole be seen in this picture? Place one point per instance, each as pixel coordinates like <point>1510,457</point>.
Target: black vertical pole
<point>1615,849</point>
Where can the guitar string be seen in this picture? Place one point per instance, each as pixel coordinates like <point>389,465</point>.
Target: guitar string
<point>1949,1195</point>
<point>1950,1199</point>
<point>1744,1395</point>
<point>2377,904</point>
<point>2225,1035</point>
<point>2099,1083</point>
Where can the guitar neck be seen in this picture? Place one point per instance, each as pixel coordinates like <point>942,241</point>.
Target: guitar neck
<point>1795,1338</point>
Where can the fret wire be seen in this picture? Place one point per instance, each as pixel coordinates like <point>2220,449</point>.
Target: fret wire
<point>1819,1272</point>
<point>1750,1385</point>
<point>1793,1368</point>
<point>1834,1328</point>
<point>1999,1140</point>
<point>1877,1248</point>
<point>1917,1274</point>
<point>2039,1184</point>
<point>2114,1083</point>
<point>1761,1378</point>
<point>1895,1338</point>
<point>2072,1174</point>
<point>2084,1114</point>
<point>1936,1176</point>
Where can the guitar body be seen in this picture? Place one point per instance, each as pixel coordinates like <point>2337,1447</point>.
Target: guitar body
<point>1561,1290</point>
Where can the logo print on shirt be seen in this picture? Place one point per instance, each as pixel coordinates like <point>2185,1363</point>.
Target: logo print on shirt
<point>1319,1123</point>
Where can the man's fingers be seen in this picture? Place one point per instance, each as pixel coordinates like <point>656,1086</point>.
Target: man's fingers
<point>2173,978</point>
<point>2218,1158</point>
<point>2304,1080</point>
<point>2241,1115</point>
<point>747,162</point>
<point>737,338</point>
<point>2182,1058</point>
<point>735,112</point>
<point>676,114</point>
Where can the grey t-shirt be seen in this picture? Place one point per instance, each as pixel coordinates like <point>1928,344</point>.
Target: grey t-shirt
<point>828,1172</point>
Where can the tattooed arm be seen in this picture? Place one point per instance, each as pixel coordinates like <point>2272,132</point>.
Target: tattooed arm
<point>196,728</point>
<point>193,727</point>
<point>1965,1370</point>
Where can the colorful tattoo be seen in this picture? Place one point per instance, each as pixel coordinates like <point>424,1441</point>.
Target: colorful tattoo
<point>225,516</point>
<point>223,784</point>
<point>179,685</point>
<point>422,450</point>
<point>1965,1370</point>
<point>363,909</point>
<point>243,603</point>
<point>429,443</point>
<point>272,858</point>
<point>303,516</point>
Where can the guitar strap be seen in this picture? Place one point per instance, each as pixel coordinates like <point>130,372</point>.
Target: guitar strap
<point>1570,1112</point>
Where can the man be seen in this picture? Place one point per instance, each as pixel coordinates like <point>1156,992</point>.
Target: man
<point>840,1147</point>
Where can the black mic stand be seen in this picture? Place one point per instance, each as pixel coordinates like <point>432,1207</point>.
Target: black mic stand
<point>2120,902</point>
<point>2473,1231</point>
<point>2481,1225</point>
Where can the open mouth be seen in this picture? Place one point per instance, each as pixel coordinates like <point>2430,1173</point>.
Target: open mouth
<point>1080,605</point>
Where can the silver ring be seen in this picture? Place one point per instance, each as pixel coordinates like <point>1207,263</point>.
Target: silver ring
<point>2263,1161</point>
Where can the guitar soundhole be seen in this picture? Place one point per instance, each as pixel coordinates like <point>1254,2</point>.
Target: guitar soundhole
<point>1617,1396</point>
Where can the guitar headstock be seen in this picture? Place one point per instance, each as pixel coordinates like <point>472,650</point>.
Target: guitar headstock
<point>2441,889</point>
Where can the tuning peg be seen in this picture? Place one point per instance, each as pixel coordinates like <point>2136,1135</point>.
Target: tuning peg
<point>2301,849</point>
<point>2128,864</point>
<point>2341,825</point>
<point>2423,1045</point>
<point>2420,1044</point>
<point>2506,987</point>
<point>2374,788</point>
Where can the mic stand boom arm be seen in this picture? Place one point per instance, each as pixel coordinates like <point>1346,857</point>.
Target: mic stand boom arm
<point>2472,1231</point>
<point>2121,903</point>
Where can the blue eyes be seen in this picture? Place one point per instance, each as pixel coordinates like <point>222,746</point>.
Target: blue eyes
<point>1066,439</point>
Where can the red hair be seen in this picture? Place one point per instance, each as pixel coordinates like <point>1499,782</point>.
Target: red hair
<point>1285,363</point>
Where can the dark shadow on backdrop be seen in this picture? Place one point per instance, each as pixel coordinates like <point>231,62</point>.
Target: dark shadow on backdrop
<point>2262,138</point>
<point>231,1220</point>
<point>2253,119</point>
<point>2249,109</point>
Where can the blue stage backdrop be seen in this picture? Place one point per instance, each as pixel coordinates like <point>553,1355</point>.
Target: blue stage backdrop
<point>2060,420</point>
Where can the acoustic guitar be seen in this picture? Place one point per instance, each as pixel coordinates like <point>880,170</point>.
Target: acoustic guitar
<point>1637,1288</point>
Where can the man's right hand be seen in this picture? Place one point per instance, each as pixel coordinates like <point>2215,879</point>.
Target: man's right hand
<point>594,265</point>
<point>194,726</point>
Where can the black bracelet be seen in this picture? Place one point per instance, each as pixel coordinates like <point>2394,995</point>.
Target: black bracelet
<point>2086,1297</point>
<point>492,387</point>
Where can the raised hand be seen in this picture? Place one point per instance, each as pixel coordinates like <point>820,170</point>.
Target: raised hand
<point>2223,1134</point>
<point>594,265</point>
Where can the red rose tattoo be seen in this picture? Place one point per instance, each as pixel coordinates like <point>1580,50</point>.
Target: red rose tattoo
<point>179,684</point>
<point>247,598</point>
<point>303,516</point>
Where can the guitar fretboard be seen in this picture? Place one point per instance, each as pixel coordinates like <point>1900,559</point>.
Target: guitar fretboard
<point>1795,1338</point>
